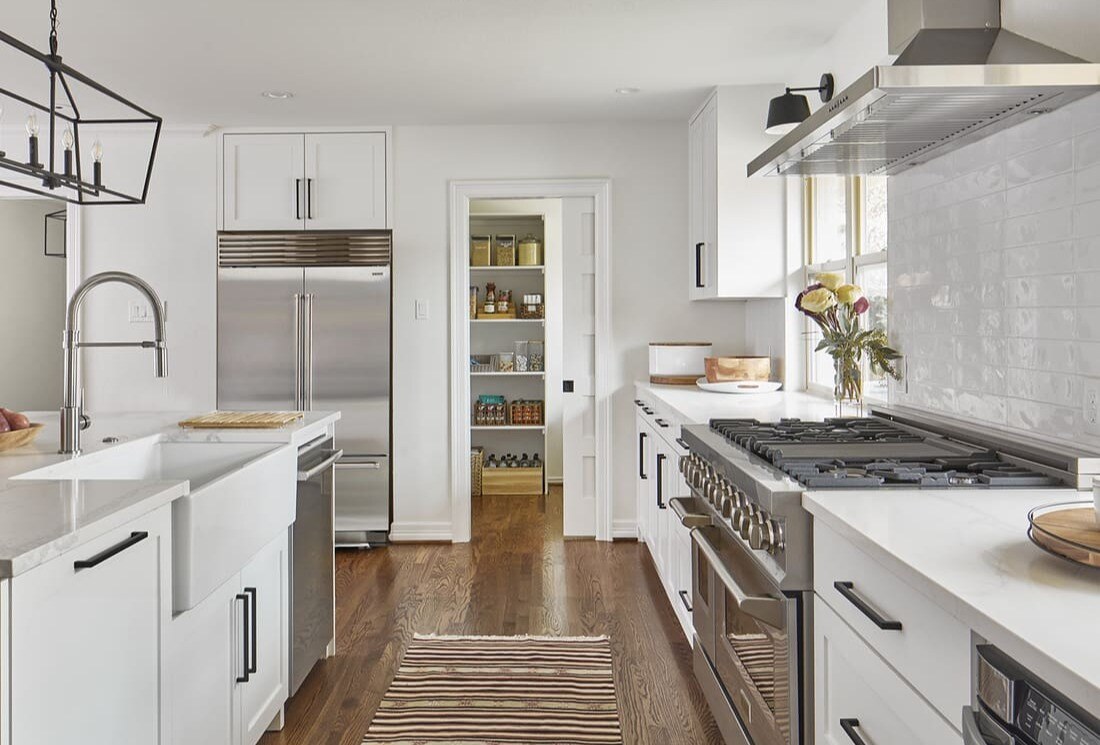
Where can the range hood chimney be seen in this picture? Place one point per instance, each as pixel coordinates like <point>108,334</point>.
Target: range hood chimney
<point>959,77</point>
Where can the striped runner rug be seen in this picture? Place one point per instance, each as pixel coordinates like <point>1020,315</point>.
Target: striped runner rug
<point>492,690</point>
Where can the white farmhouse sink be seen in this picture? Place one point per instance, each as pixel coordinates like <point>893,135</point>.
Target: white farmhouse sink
<point>241,496</point>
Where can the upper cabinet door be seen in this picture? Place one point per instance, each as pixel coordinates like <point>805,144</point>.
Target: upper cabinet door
<point>264,181</point>
<point>345,181</point>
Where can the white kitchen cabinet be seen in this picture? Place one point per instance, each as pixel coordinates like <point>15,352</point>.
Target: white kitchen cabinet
<point>305,181</point>
<point>263,181</point>
<point>643,439</point>
<point>737,224</point>
<point>86,630</point>
<point>228,657</point>
<point>855,689</point>
<point>345,180</point>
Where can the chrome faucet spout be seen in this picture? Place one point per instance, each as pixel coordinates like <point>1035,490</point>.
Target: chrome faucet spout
<point>73,419</point>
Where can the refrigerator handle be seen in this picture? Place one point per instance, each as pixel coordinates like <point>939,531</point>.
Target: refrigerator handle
<point>307,392</point>
<point>298,351</point>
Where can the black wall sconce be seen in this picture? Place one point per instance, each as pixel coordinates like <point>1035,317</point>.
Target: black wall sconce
<point>788,111</point>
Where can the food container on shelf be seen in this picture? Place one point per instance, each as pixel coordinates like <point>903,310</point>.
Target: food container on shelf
<point>473,302</point>
<point>737,369</point>
<point>530,251</point>
<point>522,356</point>
<point>506,362</point>
<point>678,362</point>
<point>536,357</point>
<point>480,250</point>
<point>504,250</point>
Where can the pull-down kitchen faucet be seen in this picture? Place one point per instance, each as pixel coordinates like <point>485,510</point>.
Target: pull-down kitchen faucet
<point>73,419</point>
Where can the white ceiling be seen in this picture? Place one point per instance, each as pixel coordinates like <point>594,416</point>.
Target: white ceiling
<point>426,61</point>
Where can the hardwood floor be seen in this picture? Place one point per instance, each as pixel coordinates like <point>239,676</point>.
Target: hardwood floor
<point>518,576</point>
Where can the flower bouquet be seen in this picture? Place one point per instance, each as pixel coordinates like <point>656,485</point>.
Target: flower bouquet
<point>836,308</point>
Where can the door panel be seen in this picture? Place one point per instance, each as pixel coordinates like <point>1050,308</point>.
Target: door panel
<point>346,181</point>
<point>256,338</point>
<point>579,419</point>
<point>263,181</point>
<point>351,353</point>
<point>264,581</point>
<point>363,493</point>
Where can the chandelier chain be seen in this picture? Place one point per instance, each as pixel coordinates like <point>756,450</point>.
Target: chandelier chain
<point>53,27</point>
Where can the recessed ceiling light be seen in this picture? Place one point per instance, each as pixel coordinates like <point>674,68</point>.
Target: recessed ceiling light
<point>278,95</point>
<point>627,91</point>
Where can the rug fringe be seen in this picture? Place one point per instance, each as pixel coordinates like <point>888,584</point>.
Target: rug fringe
<point>518,637</point>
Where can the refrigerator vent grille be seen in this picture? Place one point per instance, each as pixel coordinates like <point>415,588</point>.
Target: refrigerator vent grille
<point>366,248</point>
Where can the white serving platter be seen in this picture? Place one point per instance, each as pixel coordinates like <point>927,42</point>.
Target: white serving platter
<point>740,386</point>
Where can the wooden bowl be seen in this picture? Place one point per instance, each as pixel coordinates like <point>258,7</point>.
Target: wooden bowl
<point>736,369</point>
<point>17,438</point>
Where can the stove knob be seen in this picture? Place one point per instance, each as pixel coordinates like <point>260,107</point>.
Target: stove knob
<point>741,499</point>
<point>776,542</point>
<point>727,506</point>
<point>683,464</point>
<point>756,536</point>
<point>743,520</point>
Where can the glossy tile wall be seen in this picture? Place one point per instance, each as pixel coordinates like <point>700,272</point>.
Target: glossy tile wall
<point>995,276</point>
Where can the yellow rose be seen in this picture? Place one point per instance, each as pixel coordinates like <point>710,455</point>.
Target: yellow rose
<point>819,300</point>
<point>848,294</point>
<point>832,280</point>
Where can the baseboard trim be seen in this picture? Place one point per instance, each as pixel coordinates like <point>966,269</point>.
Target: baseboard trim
<point>434,532</point>
<point>624,530</point>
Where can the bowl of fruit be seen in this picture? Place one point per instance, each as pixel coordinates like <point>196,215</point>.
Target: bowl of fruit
<point>16,430</point>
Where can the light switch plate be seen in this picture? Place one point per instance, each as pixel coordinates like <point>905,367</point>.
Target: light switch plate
<point>139,312</point>
<point>1091,407</point>
<point>421,310</point>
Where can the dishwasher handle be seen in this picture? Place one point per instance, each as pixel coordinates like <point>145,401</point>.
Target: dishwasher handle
<point>334,455</point>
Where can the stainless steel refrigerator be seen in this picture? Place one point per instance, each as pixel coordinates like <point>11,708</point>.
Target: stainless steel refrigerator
<point>304,323</point>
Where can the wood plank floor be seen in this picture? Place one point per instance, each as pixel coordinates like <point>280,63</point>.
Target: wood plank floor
<point>518,576</point>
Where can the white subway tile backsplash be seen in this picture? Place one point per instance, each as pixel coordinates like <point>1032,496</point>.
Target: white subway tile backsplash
<point>995,275</point>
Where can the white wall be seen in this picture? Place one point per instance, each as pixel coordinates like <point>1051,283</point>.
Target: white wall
<point>34,307</point>
<point>171,242</point>
<point>995,276</point>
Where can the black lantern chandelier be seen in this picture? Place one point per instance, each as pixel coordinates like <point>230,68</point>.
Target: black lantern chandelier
<point>79,109</point>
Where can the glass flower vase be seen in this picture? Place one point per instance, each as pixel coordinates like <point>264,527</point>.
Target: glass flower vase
<point>847,386</point>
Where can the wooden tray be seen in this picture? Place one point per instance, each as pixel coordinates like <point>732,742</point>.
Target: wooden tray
<point>1070,530</point>
<point>673,379</point>
<point>17,438</point>
<point>242,420</point>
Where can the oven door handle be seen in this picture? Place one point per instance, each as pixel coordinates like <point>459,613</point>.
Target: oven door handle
<point>688,518</point>
<point>334,456</point>
<point>768,610</point>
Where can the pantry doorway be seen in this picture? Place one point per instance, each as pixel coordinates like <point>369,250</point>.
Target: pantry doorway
<point>530,334</point>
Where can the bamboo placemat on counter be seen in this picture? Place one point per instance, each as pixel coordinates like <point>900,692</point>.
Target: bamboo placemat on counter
<point>242,420</point>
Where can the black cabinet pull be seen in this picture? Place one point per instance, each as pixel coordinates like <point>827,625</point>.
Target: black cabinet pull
<point>641,455</point>
<point>661,423</point>
<point>684,599</point>
<point>660,481</point>
<point>639,403</point>
<point>681,443</point>
<point>647,410</point>
<point>847,589</point>
<point>849,727</point>
<point>699,265</point>
<point>136,537</point>
<point>297,199</point>
<point>255,634</point>
<point>245,646</point>
<point>309,199</point>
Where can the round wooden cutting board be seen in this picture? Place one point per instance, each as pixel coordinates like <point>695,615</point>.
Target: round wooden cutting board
<point>1072,532</point>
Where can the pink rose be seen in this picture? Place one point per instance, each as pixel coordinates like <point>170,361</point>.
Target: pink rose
<point>860,306</point>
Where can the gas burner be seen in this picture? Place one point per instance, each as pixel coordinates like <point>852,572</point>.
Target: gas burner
<point>842,453</point>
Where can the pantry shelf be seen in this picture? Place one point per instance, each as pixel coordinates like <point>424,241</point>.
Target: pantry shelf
<point>540,269</point>
<point>539,321</point>
<point>509,428</point>
<point>508,374</point>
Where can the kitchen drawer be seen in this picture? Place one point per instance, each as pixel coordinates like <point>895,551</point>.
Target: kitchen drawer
<point>855,689</point>
<point>931,649</point>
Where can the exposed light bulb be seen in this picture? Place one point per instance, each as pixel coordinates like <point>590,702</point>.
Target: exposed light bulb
<point>32,125</point>
<point>97,151</point>
<point>67,138</point>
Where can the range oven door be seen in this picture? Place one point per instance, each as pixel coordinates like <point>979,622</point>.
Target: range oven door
<point>754,645</point>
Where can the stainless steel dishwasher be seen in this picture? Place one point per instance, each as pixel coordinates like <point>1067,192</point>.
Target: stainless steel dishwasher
<point>312,585</point>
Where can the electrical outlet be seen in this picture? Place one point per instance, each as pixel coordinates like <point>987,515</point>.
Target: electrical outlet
<point>140,312</point>
<point>421,310</point>
<point>1091,409</point>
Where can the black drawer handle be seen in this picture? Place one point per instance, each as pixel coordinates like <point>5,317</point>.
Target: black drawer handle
<point>847,590</point>
<point>661,423</point>
<point>641,455</point>
<point>699,265</point>
<point>255,634</point>
<point>661,481</point>
<point>639,403</point>
<point>849,727</point>
<point>246,646</point>
<point>136,537</point>
<point>684,599</point>
<point>681,443</point>
<point>647,410</point>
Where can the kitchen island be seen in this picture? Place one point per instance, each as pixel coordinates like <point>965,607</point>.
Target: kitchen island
<point>152,571</point>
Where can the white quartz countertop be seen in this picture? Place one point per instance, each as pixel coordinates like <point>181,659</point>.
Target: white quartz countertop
<point>693,405</point>
<point>969,552</point>
<point>41,519</point>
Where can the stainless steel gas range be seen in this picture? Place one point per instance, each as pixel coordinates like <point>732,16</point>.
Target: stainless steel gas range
<point>752,541</point>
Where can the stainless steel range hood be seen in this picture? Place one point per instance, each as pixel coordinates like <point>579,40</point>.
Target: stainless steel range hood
<point>959,77</point>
